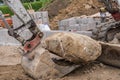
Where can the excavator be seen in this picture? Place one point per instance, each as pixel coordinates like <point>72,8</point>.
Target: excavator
<point>109,30</point>
<point>36,61</point>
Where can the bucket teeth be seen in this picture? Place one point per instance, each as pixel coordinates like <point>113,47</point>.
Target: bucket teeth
<point>62,62</point>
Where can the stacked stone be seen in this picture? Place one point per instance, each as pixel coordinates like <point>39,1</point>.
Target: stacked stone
<point>79,24</point>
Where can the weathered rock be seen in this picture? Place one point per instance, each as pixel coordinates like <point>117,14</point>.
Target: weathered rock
<point>73,47</point>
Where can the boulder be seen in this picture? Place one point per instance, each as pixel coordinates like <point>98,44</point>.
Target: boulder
<point>73,47</point>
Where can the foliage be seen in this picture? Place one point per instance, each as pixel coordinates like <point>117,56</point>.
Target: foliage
<point>44,2</point>
<point>35,5</point>
<point>5,9</point>
<point>26,1</point>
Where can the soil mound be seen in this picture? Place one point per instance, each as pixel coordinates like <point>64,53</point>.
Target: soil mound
<point>62,9</point>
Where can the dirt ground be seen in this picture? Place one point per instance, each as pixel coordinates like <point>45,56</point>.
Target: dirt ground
<point>10,60</point>
<point>93,71</point>
<point>59,10</point>
<point>13,73</point>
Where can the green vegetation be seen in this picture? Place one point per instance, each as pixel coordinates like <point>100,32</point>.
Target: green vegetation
<point>44,2</point>
<point>5,10</point>
<point>36,5</point>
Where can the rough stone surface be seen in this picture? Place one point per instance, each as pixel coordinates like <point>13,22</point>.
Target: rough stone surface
<point>78,23</point>
<point>73,47</point>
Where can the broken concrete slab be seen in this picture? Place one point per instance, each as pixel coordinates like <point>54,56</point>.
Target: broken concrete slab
<point>82,23</point>
<point>78,23</point>
<point>5,39</point>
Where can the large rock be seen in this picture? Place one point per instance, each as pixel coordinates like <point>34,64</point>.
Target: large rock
<point>73,47</point>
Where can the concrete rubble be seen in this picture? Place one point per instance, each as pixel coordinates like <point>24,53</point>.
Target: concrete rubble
<point>87,23</point>
<point>5,39</point>
<point>82,23</point>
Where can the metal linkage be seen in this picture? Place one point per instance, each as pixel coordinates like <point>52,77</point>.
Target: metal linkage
<point>26,23</point>
<point>100,33</point>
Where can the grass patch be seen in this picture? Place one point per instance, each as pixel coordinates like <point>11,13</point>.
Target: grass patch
<point>35,5</point>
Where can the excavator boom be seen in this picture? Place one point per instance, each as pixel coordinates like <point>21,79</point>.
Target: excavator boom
<point>26,23</point>
<point>113,6</point>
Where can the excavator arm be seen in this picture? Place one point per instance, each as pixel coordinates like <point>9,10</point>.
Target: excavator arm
<point>27,23</point>
<point>113,7</point>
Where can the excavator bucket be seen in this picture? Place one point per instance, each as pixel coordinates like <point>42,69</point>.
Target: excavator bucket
<point>110,54</point>
<point>42,67</point>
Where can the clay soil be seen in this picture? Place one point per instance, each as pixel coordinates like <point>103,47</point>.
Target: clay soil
<point>10,68</point>
<point>93,71</point>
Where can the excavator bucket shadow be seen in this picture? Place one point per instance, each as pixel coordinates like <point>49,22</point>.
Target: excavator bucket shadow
<point>42,67</point>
